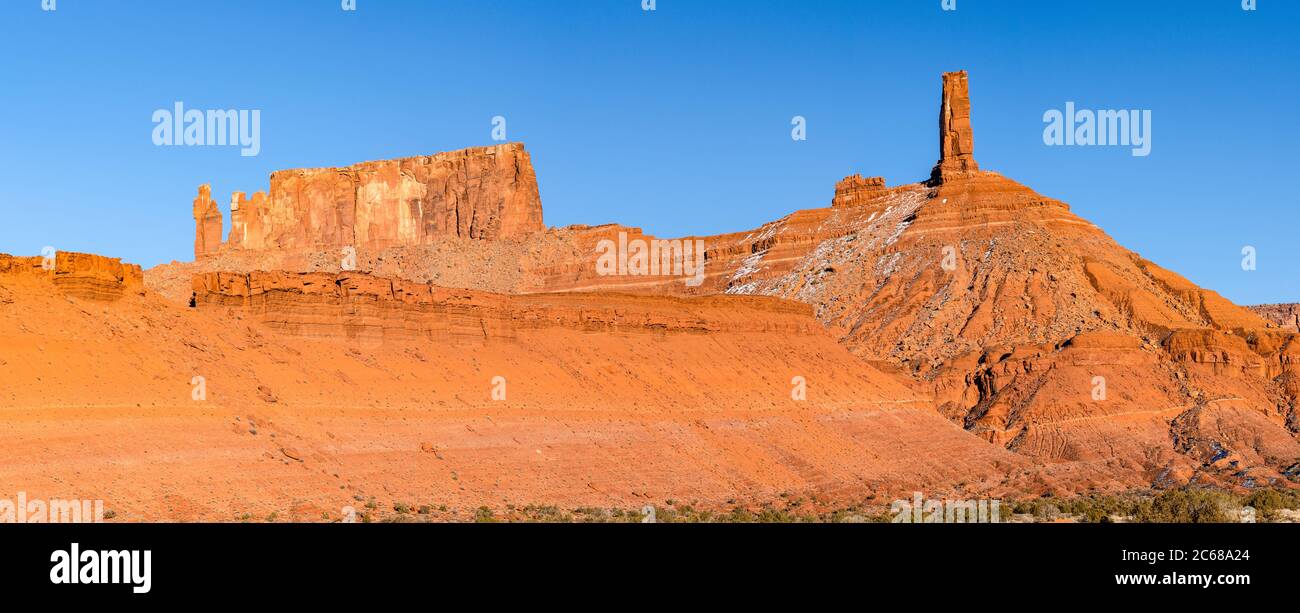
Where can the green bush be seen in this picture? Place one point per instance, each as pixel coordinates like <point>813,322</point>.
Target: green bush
<point>1185,506</point>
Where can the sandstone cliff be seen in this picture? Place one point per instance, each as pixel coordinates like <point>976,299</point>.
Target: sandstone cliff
<point>80,275</point>
<point>1031,327</point>
<point>482,193</point>
<point>1285,316</point>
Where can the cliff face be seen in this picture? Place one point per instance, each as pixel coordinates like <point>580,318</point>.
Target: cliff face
<point>1030,326</point>
<point>1285,316</point>
<point>856,190</point>
<point>484,193</point>
<point>366,308</point>
<point>81,275</point>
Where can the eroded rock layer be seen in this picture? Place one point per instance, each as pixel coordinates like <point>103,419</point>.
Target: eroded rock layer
<point>81,275</point>
<point>376,308</point>
<point>1285,316</point>
<point>1029,326</point>
<point>295,394</point>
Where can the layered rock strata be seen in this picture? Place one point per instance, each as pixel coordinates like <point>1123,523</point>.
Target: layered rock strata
<point>483,193</point>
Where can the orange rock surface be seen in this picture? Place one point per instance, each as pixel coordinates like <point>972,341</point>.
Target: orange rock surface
<point>1010,308</point>
<point>962,334</point>
<point>956,137</point>
<point>1286,316</point>
<point>207,224</point>
<point>321,388</point>
<point>481,193</point>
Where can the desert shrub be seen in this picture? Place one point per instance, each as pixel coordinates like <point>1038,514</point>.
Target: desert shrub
<point>1098,509</point>
<point>1268,502</point>
<point>1185,506</point>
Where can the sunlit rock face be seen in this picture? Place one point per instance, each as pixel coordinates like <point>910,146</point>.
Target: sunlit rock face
<point>483,193</point>
<point>956,137</point>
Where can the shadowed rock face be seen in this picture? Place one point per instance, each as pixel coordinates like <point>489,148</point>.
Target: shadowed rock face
<point>484,193</point>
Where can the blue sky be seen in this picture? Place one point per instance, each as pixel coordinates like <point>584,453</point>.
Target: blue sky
<point>677,120</point>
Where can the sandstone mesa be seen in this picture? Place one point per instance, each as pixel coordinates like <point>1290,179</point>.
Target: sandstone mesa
<point>483,193</point>
<point>954,333</point>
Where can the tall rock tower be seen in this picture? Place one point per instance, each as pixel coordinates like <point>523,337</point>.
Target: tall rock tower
<point>207,224</point>
<point>956,140</point>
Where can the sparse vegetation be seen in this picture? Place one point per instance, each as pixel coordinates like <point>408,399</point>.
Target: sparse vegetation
<point>1185,505</point>
<point>1268,503</point>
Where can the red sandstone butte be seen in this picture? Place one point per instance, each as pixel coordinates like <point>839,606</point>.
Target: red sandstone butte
<point>952,332</point>
<point>854,190</point>
<point>485,193</point>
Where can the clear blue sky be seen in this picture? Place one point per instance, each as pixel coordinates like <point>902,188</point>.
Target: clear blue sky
<point>677,121</point>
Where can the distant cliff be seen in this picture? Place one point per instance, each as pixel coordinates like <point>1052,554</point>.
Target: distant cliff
<point>1286,316</point>
<point>480,193</point>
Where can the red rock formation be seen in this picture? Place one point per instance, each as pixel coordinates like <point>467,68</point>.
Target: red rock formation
<point>855,190</point>
<point>956,138</point>
<point>377,308</point>
<point>293,393</point>
<point>1285,316</point>
<point>482,193</point>
<point>80,275</point>
<point>1032,327</point>
<point>1017,311</point>
<point>207,224</point>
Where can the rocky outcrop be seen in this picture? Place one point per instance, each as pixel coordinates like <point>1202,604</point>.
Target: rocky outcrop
<point>1036,330</point>
<point>855,190</point>
<point>483,193</point>
<point>1284,316</point>
<point>956,138</point>
<point>1032,328</point>
<point>207,224</point>
<point>365,307</point>
<point>294,394</point>
<point>80,275</point>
